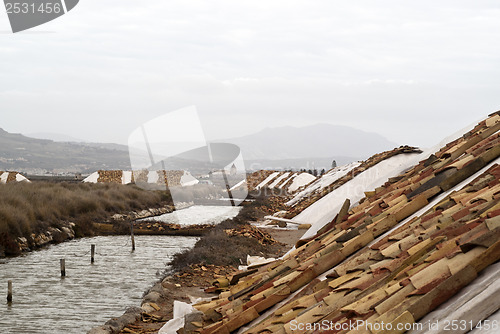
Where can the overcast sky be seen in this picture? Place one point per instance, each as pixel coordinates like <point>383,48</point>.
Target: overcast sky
<point>413,71</point>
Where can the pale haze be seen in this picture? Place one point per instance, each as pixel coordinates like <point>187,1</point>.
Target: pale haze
<point>412,71</point>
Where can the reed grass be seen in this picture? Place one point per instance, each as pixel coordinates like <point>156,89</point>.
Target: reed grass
<point>27,208</point>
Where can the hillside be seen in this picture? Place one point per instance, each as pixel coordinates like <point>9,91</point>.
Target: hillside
<point>315,141</point>
<point>30,155</point>
<point>272,148</point>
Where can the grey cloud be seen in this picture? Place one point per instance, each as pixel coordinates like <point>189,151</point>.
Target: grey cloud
<point>411,71</point>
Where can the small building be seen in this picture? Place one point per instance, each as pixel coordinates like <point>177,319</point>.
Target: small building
<point>233,170</point>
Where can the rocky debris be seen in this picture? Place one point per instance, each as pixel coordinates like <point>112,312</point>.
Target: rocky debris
<point>155,227</point>
<point>193,322</point>
<point>199,275</point>
<point>51,235</point>
<point>249,231</point>
<point>67,232</point>
<point>116,325</point>
<point>150,227</point>
<point>100,330</point>
<point>274,204</point>
<point>133,215</point>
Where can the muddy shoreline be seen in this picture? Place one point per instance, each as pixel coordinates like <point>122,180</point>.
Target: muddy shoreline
<point>117,224</point>
<point>185,285</point>
<point>190,280</point>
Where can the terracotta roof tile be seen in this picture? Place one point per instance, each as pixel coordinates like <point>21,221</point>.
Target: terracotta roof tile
<point>405,274</point>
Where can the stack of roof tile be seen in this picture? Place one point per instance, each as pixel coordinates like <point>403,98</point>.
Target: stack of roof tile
<point>287,181</point>
<point>7,177</point>
<point>170,178</point>
<point>140,176</point>
<point>160,177</point>
<point>110,176</point>
<point>414,262</point>
<point>372,161</point>
<point>255,178</point>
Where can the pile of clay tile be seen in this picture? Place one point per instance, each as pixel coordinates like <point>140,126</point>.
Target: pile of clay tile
<point>249,231</point>
<point>280,180</point>
<point>110,176</point>
<point>382,260</point>
<point>8,177</point>
<point>168,177</point>
<point>370,162</point>
<point>140,176</point>
<point>171,178</point>
<point>163,176</point>
<point>255,178</point>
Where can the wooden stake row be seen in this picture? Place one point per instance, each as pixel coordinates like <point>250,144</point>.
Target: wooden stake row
<point>62,263</point>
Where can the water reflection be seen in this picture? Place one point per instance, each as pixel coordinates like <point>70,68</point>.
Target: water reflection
<point>90,294</point>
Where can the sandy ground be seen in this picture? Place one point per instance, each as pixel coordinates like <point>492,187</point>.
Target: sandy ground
<point>182,286</point>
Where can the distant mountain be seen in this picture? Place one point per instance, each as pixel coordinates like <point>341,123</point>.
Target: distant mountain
<point>272,148</point>
<point>59,137</point>
<point>35,156</point>
<point>315,141</point>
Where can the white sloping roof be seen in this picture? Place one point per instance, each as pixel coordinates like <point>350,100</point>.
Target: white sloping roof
<point>294,175</point>
<point>323,182</point>
<point>126,177</point>
<point>237,185</point>
<point>92,178</point>
<point>153,176</point>
<point>325,209</point>
<point>268,179</point>
<point>21,178</point>
<point>188,180</point>
<point>278,180</point>
<point>300,181</point>
<point>3,177</point>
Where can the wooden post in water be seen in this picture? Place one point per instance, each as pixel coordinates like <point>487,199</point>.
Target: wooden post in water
<point>132,235</point>
<point>9,292</point>
<point>63,268</point>
<point>92,252</point>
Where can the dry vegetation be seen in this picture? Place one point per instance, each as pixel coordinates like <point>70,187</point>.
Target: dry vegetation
<point>213,248</point>
<point>27,208</point>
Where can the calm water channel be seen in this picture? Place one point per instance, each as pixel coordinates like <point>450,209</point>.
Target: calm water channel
<point>90,294</point>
